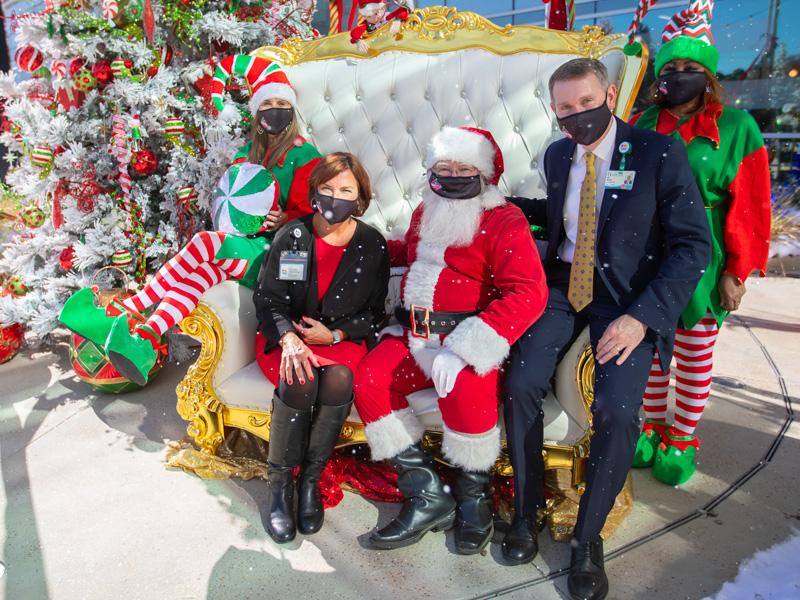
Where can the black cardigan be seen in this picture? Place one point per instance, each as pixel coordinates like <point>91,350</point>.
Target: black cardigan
<point>355,300</point>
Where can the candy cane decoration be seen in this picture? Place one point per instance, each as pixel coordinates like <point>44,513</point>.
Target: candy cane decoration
<point>123,156</point>
<point>335,7</point>
<point>641,11</point>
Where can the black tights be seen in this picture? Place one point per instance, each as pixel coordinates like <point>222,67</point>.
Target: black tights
<point>332,385</point>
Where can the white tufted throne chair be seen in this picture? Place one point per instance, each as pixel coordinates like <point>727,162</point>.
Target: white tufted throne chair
<point>443,68</point>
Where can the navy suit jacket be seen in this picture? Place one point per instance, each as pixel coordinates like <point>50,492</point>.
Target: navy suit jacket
<point>652,243</point>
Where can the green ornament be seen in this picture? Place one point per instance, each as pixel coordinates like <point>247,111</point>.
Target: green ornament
<point>244,196</point>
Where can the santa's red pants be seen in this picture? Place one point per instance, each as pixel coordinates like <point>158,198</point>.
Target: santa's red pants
<point>389,373</point>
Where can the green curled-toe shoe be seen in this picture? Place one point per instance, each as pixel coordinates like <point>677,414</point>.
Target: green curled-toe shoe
<point>649,439</point>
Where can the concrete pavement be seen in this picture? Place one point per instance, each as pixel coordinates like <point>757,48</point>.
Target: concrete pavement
<point>89,511</point>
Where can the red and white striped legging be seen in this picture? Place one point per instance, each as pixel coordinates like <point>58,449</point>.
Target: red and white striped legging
<point>179,284</point>
<point>693,361</point>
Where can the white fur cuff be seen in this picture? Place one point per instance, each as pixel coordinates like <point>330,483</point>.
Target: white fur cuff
<point>390,435</point>
<point>477,343</point>
<point>476,453</point>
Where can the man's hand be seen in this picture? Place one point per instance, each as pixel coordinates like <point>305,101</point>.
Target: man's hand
<point>730,292</point>
<point>276,219</point>
<point>313,332</point>
<point>446,367</point>
<point>620,338</point>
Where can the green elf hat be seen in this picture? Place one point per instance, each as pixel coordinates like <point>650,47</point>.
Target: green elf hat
<point>265,78</point>
<point>688,35</point>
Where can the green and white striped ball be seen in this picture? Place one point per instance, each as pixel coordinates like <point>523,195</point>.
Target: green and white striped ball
<point>244,196</point>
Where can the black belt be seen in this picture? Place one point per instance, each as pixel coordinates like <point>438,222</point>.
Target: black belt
<point>426,322</point>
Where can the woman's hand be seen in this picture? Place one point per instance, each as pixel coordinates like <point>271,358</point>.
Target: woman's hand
<point>297,357</point>
<point>730,292</point>
<point>276,219</point>
<point>313,332</point>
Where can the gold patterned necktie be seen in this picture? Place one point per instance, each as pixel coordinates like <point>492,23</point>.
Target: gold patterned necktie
<point>581,275</point>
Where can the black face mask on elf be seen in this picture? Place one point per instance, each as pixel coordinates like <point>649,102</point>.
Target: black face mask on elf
<point>274,120</point>
<point>455,188</point>
<point>586,127</point>
<point>680,87</point>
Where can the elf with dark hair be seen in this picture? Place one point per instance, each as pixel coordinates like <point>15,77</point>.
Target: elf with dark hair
<point>730,163</point>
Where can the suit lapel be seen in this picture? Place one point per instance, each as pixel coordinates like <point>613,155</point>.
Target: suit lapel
<point>555,217</point>
<point>623,135</point>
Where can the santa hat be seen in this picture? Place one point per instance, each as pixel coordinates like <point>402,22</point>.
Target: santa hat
<point>688,35</point>
<point>470,146</point>
<point>367,8</point>
<point>265,78</point>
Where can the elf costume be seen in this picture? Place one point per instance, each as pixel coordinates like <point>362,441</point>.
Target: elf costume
<point>368,8</point>
<point>245,195</point>
<point>731,166</point>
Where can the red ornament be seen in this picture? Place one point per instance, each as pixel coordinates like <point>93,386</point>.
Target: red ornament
<point>220,46</point>
<point>144,162</point>
<point>102,72</point>
<point>76,64</point>
<point>167,54</point>
<point>67,258</point>
<point>29,58</point>
<point>10,341</point>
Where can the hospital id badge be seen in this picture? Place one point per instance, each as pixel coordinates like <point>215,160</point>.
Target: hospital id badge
<point>293,266</point>
<point>620,180</point>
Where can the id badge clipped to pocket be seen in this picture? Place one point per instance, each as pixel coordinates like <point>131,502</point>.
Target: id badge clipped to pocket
<point>293,265</point>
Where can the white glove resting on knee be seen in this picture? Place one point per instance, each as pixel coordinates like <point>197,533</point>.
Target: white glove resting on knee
<point>446,367</point>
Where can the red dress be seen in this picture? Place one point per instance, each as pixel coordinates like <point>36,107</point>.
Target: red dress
<point>345,353</point>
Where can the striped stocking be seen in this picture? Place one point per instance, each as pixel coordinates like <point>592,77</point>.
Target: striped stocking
<point>179,284</point>
<point>693,363</point>
<point>655,395</point>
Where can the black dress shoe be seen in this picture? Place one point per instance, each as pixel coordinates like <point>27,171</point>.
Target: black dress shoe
<point>587,577</point>
<point>520,545</point>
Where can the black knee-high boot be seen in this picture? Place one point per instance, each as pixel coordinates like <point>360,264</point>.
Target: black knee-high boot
<point>288,432</point>
<point>326,425</point>
<point>426,505</point>
<point>474,522</point>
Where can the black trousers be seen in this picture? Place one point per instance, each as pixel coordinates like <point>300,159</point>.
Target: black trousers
<point>618,392</point>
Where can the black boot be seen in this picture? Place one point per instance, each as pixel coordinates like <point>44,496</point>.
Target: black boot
<point>474,522</point>
<point>326,425</point>
<point>587,576</point>
<point>426,506</point>
<point>520,545</point>
<point>288,431</point>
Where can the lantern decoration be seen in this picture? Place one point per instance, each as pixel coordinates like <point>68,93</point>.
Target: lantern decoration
<point>102,73</point>
<point>58,69</point>
<point>144,162</point>
<point>15,286</point>
<point>66,258</point>
<point>121,258</point>
<point>29,58</point>
<point>187,200</point>
<point>83,80</point>
<point>32,216</point>
<point>10,341</point>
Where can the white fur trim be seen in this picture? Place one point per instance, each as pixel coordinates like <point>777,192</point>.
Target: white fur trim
<point>478,344</point>
<point>476,453</point>
<point>272,90</point>
<point>368,10</point>
<point>390,435</point>
<point>396,330</point>
<point>492,198</point>
<point>463,146</point>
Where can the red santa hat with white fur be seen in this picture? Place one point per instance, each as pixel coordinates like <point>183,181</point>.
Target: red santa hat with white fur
<point>470,146</point>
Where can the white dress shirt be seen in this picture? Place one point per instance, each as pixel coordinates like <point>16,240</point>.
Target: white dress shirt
<point>572,200</point>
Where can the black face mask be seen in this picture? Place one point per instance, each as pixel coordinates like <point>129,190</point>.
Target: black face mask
<point>680,87</point>
<point>455,188</point>
<point>586,127</point>
<point>334,210</point>
<point>274,120</point>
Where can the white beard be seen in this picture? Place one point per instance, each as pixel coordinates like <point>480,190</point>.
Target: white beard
<point>449,223</point>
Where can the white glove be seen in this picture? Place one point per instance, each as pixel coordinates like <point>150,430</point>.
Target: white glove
<point>363,46</point>
<point>395,26</point>
<point>446,367</point>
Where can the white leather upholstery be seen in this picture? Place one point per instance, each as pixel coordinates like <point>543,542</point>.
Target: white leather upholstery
<point>385,109</point>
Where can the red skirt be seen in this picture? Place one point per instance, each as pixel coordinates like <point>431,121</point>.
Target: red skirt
<point>344,353</point>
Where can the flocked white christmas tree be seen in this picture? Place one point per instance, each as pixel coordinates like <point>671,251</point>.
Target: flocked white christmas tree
<point>114,142</point>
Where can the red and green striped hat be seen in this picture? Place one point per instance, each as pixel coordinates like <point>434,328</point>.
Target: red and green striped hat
<point>265,78</point>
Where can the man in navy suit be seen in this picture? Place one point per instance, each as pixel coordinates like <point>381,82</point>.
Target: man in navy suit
<point>628,242</point>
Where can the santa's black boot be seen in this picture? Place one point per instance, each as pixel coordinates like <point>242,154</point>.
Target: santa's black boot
<point>288,432</point>
<point>474,522</point>
<point>426,504</point>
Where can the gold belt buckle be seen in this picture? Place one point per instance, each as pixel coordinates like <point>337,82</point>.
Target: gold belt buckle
<point>425,321</point>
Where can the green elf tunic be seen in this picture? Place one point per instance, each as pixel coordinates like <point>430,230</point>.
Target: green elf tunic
<point>731,166</point>
<point>291,172</point>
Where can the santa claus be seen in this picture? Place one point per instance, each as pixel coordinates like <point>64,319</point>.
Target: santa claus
<point>474,284</point>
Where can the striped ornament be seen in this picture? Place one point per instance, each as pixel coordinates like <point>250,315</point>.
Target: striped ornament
<point>29,58</point>
<point>58,69</point>
<point>174,127</point>
<point>121,258</point>
<point>187,200</point>
<point>121,67</point>
<point>41,156</point>
<point>109,9</point>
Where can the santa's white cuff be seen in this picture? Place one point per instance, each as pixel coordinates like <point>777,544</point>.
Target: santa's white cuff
<point>390,435</point>
<point>470,452</point>
<point>477,343</point>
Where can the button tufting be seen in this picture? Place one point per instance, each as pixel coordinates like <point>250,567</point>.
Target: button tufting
<point>341,129</point>
<point>358,97</point>
<point>388,163</point>
<point>427,96</point>
<point>405,196</point>
<point>308,129</point>
<point>534,165</point>
<point>388,227</point>
<point>327,98</point>
<point>392,95</point>
<point>537,92</point>
<point>499,92</point>
<point>463,94</point>
<point>409,129</point>
<point>516,128</point>
<point>374,129</point>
